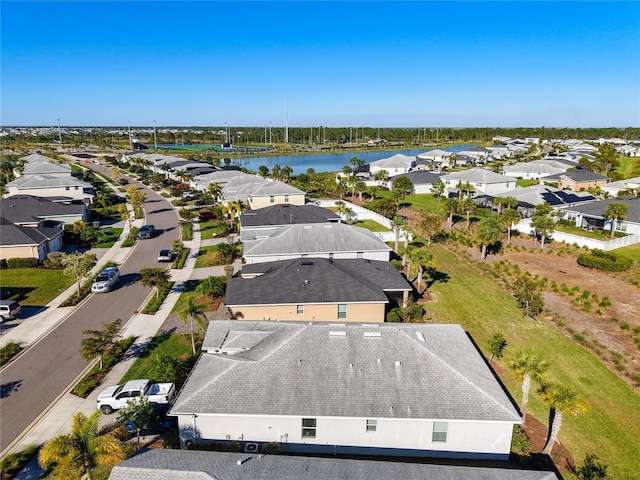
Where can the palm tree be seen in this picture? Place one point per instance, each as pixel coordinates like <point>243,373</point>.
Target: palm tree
<point>543,222</point>
<point>381,176</point>
<point>422,259</point>
<point>527,365</point>
<point>155,278</point>
<point>452,208</point>
<point>488,233</point>
<point>396,225</point>
<point>616,211</point>
<point>87,446</point>
<point>215,190</point>
<point>189,313</point>
<point>507,219</point>
<point>212,286</point>
<point>468,206</point>
<point>340,207</point>
<point>560,399</point>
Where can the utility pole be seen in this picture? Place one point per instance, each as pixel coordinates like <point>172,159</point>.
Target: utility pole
<point>155,138</point>
<point>130,138</point>
<point>59,132</point>
<point>286,122</point>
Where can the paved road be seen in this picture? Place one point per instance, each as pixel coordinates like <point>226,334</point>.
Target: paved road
<point>47,369</point>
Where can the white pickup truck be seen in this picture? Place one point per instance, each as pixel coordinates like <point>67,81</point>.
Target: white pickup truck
<point>115,398</point>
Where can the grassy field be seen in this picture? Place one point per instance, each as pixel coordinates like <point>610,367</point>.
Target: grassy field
<point>33,287</point>
<point>424,202</point>
<point>632,252</point>
<point>175,346</point>
<point>369,225</point>
<point>612,426</point>
<point>526,182</point>
<point>629,167</point>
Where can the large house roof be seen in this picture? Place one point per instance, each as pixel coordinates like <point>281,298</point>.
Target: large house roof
<point>47,181</point>
<point>579,175</point>
<point>278,215</point>
<point>166,464</point>
<point>433,154</point>
<point>478,175</point>
<point>37,158</point>
<point>396,161</point>
<point>419,177</point>
<point>537,166</point>
<point>597,209</point>
<point>316,239</point>
<point>315,280</point>
<point>16,235</point>
<point>27,208</point>
<point>404,371</point>
<point>537,194</point>
<point>275,188</point>
<point>40,168</point>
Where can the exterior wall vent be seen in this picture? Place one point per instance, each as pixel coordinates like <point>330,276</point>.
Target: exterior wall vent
<point>337,333</point>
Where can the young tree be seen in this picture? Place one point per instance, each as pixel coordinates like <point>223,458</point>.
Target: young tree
<point>396,225</point>
<point>100,342</point>
<point>488,233</point>
<point>422,259</point>
<point>125,215</point>
<point>215,191</point>
<point>528,365</point>
<point>430,226</point>
<point>497,344</point>
<point>543,221</point>
<point>437,188</point>
<point>136,198</point>
<point>340,206</point>
<point>78,265</point>
<point>592,469</point>
<point>156,278</point>
<point>529,296</point>
<point>616,211</point>
<point>402,187</point>
<point>139,415</point>
<point>468,207</point>
<point>87,446</point>
<point>190,313</point>
<point>452,207</point>
<point>561,399</point>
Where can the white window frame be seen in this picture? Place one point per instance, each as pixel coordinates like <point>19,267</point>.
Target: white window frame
<point>371,425</point>
<point>440,431</point>
<point>309,428</point>
<point>300,309</point>
<point>342,310</point>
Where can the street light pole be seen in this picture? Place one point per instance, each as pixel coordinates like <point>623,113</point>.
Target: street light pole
<point>155,139</point>
<point>270,142</point>
<point>130,138</point>
<point>59,132</point>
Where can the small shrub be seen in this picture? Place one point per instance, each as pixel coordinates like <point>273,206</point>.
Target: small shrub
<point>624,326</point>
<point>606,261</point>
<point>520,443</point>
<point>605,302</point>
<point>9,351</point>
<point>579,337</point>
<point>27,262</point>
<point>586,306</point>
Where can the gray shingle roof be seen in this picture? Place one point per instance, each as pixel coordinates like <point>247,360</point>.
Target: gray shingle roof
<point>279,215</point>
<point>163,464</point>
<point>316,239</point>
<point>275,188</point>
<point>47,181</point>
<point>419,177</point>
<point>317,280</point>
<point>15,235</point>
<point>597,209</point>
<point>396,161</point>
<point>478,175</point>
<point>27,208</point>
<point>579,175</point>
<point>39,168</point>
<point>418,371</point>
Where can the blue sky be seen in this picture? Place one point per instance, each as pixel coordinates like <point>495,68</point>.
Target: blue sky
<point>390,64</point>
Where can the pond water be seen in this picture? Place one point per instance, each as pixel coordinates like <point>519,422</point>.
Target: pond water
<point>326,162</point>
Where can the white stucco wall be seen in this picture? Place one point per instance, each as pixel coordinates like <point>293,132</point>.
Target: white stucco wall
<point>381,255</point>
<point>462,436</point>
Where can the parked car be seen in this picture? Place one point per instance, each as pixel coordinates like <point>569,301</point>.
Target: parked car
<point>146,231</point>
<point>115,398</point>
<point>206,215</point>
<point>165,256</point>
<point>9,309</point>
<point>107,279</point>
<point>188,194</point>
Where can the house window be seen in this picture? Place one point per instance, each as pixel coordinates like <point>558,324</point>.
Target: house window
<point>439,431</point>
<point>272,199</point>
<point>331,255</point>
<point>66,188</point>
<point>286,198</point>
<point>372,425</point>
<point>342,310</point>
<point>308,428</point>
<point>300,310</point>
<point>360,255</point>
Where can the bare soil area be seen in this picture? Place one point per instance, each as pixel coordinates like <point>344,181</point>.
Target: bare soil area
<point>607,331</point>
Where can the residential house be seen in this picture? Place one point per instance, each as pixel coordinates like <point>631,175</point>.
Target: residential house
<point>439,159</point>
<point>629,185</point>
<point>168,464</point>
<point>393,165</point>
<point>500,151</point>
<point>479,155</point>
<point>51,186</point>
<point>422,180</point>
<point>36,241</point>
<point>28,210</point>
<point>275,193</point>
<point>335,240</point>
<point>537,168</point>
<point>533,195</point>
<point>255,222</point>
<point>37,164</point>
<point>482,180</point>
<point>363,389</point>
<point>578,180</point>
<point>591,216</point>
<point>316,289</point>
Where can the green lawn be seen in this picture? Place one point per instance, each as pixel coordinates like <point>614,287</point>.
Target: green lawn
<point>632,252</point>
<point>425,202</point>
<point>525,182</point>
<point>629,167</point>
<point>604,235</point>
<point>33,286</point>
<point>212,228</point>
<point>369,225</point>
<point>612,426</point>
<point>209,256</point>
<point>108,236</point>
<point>175,346</point>
<point>189,292</point>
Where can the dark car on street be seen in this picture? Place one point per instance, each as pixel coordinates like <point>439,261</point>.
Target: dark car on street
<point>146,231</point>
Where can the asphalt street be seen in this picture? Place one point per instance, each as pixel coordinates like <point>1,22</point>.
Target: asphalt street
<point>51,366</point>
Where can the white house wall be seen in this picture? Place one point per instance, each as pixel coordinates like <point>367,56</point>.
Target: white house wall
<point>464,438</point>
<point>382,256</point>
